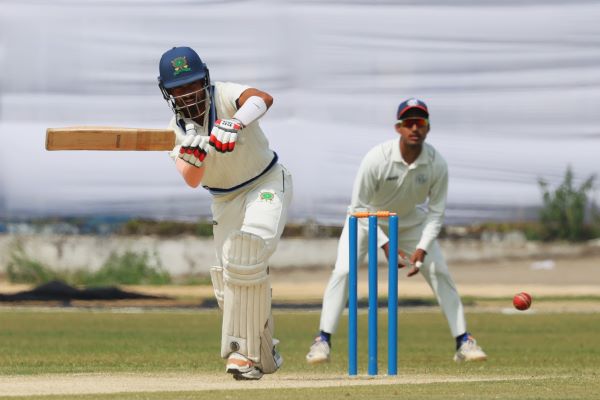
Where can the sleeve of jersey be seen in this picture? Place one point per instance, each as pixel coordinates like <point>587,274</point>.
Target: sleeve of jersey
<point>365,185</point>
<point>230,92</point>
<point>179,136</point>
<point>436,210</point>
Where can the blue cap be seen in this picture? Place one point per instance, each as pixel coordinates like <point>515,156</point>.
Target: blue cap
<point>412,104</point>
<point>180,66</point>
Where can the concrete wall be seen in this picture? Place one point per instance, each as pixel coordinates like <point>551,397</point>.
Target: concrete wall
<point>192,255</point>
<point>181,255</point>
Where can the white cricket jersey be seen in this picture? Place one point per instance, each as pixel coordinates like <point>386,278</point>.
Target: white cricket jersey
<point>386,182</point>
<point>251,155</point>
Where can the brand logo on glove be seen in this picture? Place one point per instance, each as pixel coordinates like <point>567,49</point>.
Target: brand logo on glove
<point>228,124</point>
<point>180,65</point>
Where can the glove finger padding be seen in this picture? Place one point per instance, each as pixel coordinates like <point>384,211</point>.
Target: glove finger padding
<point>224,134</point>
<point>232,141</point>
<point>225,141</point>
<point>193,155</point>
<point>215,139</point>
<point>185,151</point>
<point>194,147</point>
<point>187,142</point>
<point>196,141</point>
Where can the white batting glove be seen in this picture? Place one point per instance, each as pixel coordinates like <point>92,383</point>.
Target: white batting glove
<point>224,134</point>
<point>194,147</point>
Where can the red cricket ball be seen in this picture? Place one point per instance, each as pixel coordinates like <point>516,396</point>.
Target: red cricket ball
<point>522,301</point>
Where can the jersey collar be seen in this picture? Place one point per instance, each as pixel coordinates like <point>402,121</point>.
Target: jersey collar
<point>397,156</point>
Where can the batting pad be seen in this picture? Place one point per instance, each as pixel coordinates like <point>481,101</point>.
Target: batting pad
<point>271,360</point>
<point>247,300</point>
<point>216,276</point>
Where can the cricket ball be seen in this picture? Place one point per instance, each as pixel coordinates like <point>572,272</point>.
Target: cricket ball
<point>522,301</point>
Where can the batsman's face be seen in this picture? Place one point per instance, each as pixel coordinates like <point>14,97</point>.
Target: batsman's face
<point>190,99</point>
<point>413,130</point>
<point>187,92</point>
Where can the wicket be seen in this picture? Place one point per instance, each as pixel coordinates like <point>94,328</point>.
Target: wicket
<point>392,293</point>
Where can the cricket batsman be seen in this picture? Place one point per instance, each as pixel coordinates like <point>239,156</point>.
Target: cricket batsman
<point>400,176</point>
<point>221,146</point>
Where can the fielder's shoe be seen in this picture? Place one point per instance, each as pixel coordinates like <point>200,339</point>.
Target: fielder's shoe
<point>242,368</point>
<point>469,351</point>
<point>319,351</point>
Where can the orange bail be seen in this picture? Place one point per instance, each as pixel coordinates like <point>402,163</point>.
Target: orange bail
<point>379,214</point>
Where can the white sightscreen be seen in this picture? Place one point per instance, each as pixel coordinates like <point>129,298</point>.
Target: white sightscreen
<point>513,89</point>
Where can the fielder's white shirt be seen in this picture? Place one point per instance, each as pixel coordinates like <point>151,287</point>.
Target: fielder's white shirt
<point>386,182</point>
<point>251,154</point>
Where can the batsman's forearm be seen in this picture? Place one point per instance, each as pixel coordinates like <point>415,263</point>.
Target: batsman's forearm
<point>252,109</point>
<point>192,175</point>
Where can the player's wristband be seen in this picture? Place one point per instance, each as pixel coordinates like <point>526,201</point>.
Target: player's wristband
<point>418,264</point>
<point>253,109</point>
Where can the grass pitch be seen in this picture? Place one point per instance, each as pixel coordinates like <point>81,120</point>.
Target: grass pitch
<point>531,356</point>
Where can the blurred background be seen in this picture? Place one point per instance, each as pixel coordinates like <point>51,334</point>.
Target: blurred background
<point>513,88</point>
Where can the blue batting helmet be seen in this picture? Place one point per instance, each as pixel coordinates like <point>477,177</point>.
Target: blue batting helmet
<point>180,66</point>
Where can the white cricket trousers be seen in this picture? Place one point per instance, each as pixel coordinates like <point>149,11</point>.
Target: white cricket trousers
<point>260,208</point>
<point>434,270</point>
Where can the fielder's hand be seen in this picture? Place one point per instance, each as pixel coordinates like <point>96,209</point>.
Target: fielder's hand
<point>416,260</point>
<point>194,147</point>
<point>403,260</point>
<point>224,134</point>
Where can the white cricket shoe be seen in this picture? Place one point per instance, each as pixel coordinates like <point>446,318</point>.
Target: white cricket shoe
<point>242,368</point>
<point>319,351</point>
<point>469,351</point>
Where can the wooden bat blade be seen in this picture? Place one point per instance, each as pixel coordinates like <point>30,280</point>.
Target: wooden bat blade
<point>109,138</point>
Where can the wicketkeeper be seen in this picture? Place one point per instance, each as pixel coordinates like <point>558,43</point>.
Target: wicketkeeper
<point>399,176</point>
<point>221,146</point>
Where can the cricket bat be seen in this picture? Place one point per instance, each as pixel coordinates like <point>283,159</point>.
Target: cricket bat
<point>109,138</point>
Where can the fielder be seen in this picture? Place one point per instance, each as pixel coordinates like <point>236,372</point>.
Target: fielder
<point>221,146</point>
<point>399,176</point>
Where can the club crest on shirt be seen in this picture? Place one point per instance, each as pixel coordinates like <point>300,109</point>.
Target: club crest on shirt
<point>421,179</point>
<point>180,65</point>
<point>267,196</point>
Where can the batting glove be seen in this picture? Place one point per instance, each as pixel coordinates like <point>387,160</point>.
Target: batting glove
<point>224,134</point>
<point>194,147</point>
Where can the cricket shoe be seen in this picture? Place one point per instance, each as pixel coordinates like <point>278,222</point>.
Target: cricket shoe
<point>242,368</point>
<point>319,351</point>
<point>469,351</point>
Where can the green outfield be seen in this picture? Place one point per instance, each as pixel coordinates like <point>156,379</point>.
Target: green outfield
<point>532,356</point>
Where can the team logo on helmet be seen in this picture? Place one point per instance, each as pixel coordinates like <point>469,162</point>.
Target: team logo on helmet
<point>412,102</point>
<point>180,65</point>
